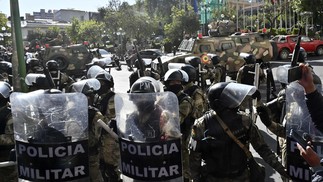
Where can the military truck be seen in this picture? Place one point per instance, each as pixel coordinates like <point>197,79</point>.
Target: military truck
<point>71,59</point>
<point>225,45</point>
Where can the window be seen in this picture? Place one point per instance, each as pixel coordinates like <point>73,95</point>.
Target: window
<point>226,46</point>
<point>205,48</point>
<point>245,40</point>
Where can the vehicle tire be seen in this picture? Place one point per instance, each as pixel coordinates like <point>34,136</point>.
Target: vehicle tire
<point>319,51</point>
<point>62,63</point>
<point>284,53</point>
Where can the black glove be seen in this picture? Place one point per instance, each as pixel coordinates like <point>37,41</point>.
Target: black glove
<point>264,115</point>
<point>256,95</point>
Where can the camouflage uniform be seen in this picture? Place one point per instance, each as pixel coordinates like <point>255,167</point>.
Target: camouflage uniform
<point>94,136</point>
<point>109,149</point>
<point>7,142</point>
<point>224,155</point>
<point>200,102</point>
<point>186,105</point>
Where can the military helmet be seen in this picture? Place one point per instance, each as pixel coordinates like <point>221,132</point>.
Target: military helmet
<point>228,95</point>
<point>106,77</point>
<point>214,93</point>
<point>37,81</point>
<point>52,65</point>
<point>87,86</point>
<point>174,74</point>
<point>302,55</point>
<point>191,72</point>
<point>158,85</point>
<point>195,61</point>
<point>214,58</point>
<point>248,58</point>
<point>34,62</point>
<point>5,89</point>
<point>144,86</point>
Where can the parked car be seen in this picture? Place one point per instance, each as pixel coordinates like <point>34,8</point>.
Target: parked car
<point>286,44</point>
<point>145,54</point>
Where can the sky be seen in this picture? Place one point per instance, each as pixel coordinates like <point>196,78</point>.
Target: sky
<point>30,6</point>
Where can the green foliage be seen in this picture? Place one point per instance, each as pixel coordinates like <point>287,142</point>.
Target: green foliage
<point>90,31</point>
<point>52,32</point>
<point>183,22</point>
<point>273,31</point>
<point>36,34</point>
<point>282,31</point>
<point>3,20</point>
<point>73,31</point>
<point>295,31</point>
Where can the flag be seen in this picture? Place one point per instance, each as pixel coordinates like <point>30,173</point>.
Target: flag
<point>196,9</point>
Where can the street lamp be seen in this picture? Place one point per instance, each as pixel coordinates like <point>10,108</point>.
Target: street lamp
<point>4,34</point>
<point>206,8</point>
<point>257,24</point>
<point>120,34</point>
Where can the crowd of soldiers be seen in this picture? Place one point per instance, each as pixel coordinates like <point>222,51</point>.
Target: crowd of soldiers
<point>209,153</point>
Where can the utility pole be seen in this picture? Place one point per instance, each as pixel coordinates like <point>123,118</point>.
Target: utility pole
<point>18,61</point>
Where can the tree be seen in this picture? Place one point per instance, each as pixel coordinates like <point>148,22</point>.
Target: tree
<point>183,22</point>
<point>90,31</point>
<point>73,31</point>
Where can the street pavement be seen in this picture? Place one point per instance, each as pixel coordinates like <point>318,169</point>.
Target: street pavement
<point>121,79</point>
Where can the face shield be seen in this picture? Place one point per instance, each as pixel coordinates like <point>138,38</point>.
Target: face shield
<point>86,86</point>
<point>282,74</point>
<point>93,71</point>
<point>234,93</point>
<point>5,89</point>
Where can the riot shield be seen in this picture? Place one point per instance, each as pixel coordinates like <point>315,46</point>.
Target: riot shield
<point>298,119</point>
<point>149,136</point>
<point>51,133</point>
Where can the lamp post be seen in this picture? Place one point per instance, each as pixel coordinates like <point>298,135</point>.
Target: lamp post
<point>5,34</point>
<point>120,34</point>
<point>206,7</point>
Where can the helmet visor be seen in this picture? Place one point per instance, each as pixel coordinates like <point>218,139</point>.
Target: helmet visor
<point>234,93</point>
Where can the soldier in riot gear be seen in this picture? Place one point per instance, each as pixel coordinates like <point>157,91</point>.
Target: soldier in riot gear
<point>89,87</point>
<point>246,73</point>
<point>147,72</point>
<point>109,149</point>
<point>173,82</point>
<point>62,80</point>
<point>36,81</point>
<point>194,91</point>
<point>149,118</point>
<point>218,70</point>
<point>34,66</point>
<point>7,141</point>
<point>224,159</point>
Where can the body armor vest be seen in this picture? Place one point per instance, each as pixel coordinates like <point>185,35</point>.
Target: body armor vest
<point>186,126</point>
<point>247,77</point>
<point>4,114</point>
<point>149,129</point>
<point>222,155</point>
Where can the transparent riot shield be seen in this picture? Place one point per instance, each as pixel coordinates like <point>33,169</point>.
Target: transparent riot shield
<point>51,133</point>
<point>149,136</point>
<point>299,120</point>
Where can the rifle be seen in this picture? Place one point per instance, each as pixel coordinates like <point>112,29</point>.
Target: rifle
<point>141,63</point>
<point>47,73</point>
<point>296,49</point>
<point>49,77</point>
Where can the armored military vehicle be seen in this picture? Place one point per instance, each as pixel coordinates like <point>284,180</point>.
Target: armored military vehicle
<point>71,59</point>
<point>225,45</point>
